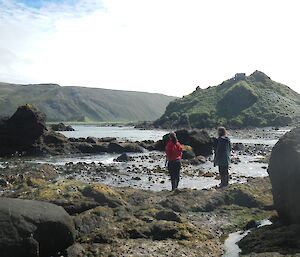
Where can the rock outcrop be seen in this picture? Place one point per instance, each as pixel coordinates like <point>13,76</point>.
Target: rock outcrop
<point>33,229</point>
<point>62,127</point>
<point>284,171</point>
<point>26,133</point>
<point>21,131</point>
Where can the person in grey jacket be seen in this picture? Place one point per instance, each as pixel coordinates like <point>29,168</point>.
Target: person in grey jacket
<point>222,155</point>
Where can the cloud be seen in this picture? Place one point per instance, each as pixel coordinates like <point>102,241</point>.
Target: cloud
<point>168,46</point>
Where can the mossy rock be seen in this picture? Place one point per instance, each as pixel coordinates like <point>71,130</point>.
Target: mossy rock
<point>63,189</point>
<point>163,230</point>
<point>104,195</point>
<point>275,238</point>
<point>256,193</point>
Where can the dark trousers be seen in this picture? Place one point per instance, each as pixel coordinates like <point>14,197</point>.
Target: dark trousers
<point>223,170</point>
<point>174,170</point>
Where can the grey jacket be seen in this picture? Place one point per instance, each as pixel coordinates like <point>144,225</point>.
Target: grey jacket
<point>222,152</point>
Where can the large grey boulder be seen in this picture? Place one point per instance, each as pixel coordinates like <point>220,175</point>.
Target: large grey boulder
<point>284,171</point>
<point>33,229</point>
<point>26,133</point>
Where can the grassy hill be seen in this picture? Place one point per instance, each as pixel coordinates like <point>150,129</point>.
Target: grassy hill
<point>83,104</point>
<point>241,101</point>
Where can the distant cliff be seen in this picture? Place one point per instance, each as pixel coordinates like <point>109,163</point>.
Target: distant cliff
<point>241,101</point>
<point>83,104</point>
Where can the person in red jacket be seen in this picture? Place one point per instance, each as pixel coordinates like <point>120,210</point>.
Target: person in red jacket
<point>174,155</point>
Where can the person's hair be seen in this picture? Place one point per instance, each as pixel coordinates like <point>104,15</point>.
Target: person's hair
<point>173,137</point>
<point>222,131</point>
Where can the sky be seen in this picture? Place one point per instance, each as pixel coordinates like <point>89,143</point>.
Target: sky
<point>161,46</point>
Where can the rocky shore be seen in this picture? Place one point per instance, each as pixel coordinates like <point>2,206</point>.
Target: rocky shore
<point>65,210</point>
<point>113,221</point>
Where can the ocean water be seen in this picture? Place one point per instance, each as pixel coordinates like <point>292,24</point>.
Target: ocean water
<point>130,133</point>
<point>121,132</point>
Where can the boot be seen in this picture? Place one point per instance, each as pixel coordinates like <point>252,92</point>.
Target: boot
<point>226,180</point>
<point>173,183</point>
<point>177,183</point>
<point>222,181</point>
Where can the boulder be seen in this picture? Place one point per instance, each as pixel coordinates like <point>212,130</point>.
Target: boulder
<point>276,238</point>
<point>26,133</point>
<point>22,130</point>
<point>108,139</point>
<point>103,195</point>
<point>86,148</point>
<point>148,144</point>
<point>188,155</point>
<point>238,147</point>
<point>199,140</point>
<point>168,216</point>
<point>61,127</point>
<point>128,147</point>
<point>123,158</point>
<point>284,172</point>
<point>33,229</point>
<point>91,140</point>
<point>251,224</point>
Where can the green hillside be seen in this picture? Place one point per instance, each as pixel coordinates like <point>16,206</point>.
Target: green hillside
<point>241,101</point>
<point>83,104</point>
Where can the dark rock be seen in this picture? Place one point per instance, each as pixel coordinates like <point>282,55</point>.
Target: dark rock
<point>168,216</point>
<point>238,147</point>
<point>123,158</point>
<point>100,147</point>
<point>148,144</point>
<point>86,148</point>
<point>251,224</point>
<point>91,140</point>
<point>75,206</point>
<point>115,147</point>
<point>194,162</point>
<point>275,238</point>
<point>3,182</point>
<point>61,127</point>
<point>26,133</point>
<point>136,178</point>
<point>54,138</point>
<point>33,229</point>
<point>187,155</point>
<point>107,139</point>
<point>22,130</point>
<point>284,171</point>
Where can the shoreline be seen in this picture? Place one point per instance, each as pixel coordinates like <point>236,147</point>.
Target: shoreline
<point>194,221</point>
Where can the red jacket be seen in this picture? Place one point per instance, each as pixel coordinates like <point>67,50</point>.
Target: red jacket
<point>173,151</point>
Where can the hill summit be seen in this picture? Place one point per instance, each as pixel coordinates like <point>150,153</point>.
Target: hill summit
<point>241,101</point>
